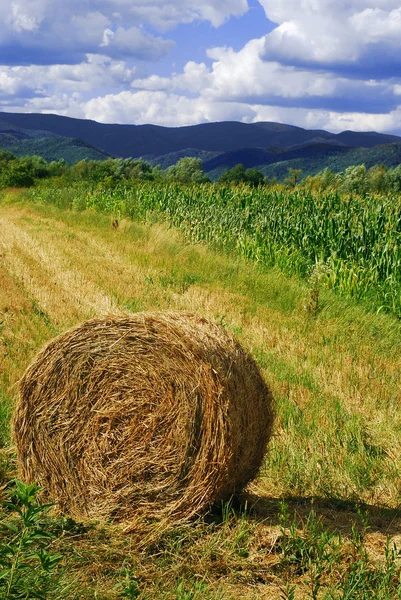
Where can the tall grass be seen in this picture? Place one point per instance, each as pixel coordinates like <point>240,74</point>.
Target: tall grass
<point>357,239</point>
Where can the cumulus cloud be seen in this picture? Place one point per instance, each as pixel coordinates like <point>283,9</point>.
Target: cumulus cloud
<point>146,107</point>
<point>358,36</point>
<point>13,86</point>
<point>49,83</point>
<point>376,24</point>
<point>245,76</point>
<point>162,108</point>
<point>333,121</point>
<point>196,78</point>
<point>69,41</point>
<point>165,16</point>
<point>56,31</point>
<point>23,16</point>
<point>132,42</point>
<point>62,103</point>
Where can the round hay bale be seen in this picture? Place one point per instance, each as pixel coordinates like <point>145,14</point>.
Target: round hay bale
<point>155,413</point>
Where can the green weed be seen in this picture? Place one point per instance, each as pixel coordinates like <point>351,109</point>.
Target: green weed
<point>28,569</point>
<point>334,567</point>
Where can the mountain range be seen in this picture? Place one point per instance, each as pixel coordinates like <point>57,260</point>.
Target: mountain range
<point>271,147</point>
<point>28,142</point>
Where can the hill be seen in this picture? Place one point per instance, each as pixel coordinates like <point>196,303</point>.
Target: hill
<point>388,155</point>
<point>171,158</point>
<point>254,157</point>
<point>23,142</point>
<point>146,140</point>
<point>275,162</point>
<point>310,158</point>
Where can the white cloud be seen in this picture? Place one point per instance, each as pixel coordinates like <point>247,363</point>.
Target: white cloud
<point>218,12</point>
<point>196,78</point>
<point>24,16</point>
<point>330,120</point>
<point>245,77</point>
<point>161,108</point>
<point>165,16</point>
<point>11,85</point>
<point>378,24</point>
<point>285,10</point>
<point>145,107</point>
<point>62,104</point>
<point>54,31</point>
<point>327,33</point>
<point>132,42</point>
<point>95,73</point>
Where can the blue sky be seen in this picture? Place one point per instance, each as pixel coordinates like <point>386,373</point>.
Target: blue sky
<point>329,64</point>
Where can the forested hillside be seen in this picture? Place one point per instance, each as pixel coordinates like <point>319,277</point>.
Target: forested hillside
<point>144,140</point>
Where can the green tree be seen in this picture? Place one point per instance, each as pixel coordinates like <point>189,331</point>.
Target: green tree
<point>239,174</point>
<point>58,168</point>
<point>5,157</point>
<point>324,180</point>
<point>394,179</point>
<point>355,179</point>
<point>377,179</point>
<point>96,171</point>
<point>294,175</point>
<point>133,168</point>
<point>18,174</point>
<point>187,170</point>
<point>234,175</point>
<point>254,177</point>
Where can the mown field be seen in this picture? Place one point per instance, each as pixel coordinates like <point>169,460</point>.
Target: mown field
<point>322,521</point>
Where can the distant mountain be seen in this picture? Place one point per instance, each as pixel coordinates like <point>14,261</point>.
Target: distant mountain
<point>309,158</point>
<point>387,154</point>
<point>366,139</point>
<point>28,142</point>
<point>154,140</point>
<point>249,157</point>
<point>167,160</point>
<point>333,141</point>
<point>254,157</point>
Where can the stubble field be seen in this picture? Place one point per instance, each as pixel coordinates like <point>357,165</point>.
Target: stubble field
<point>318,520</point>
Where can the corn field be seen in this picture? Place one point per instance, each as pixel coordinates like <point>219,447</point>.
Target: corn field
<point>357,239</point>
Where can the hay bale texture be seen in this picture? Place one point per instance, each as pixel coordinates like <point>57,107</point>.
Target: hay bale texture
<point>155,413</point>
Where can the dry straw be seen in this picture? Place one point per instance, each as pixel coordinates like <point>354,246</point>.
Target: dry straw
<point>160,414</point>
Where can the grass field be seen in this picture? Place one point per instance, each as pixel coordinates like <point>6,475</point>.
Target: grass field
<point>323,517</point>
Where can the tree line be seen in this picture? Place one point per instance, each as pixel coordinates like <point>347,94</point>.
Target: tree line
<point>29,170</point>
